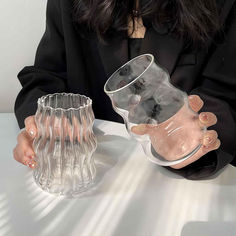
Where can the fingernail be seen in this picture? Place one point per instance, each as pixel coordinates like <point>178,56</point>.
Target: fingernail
<point>191,97</point>
<point>208,139</point>
<point>31,133</point>
<point>31,164</point>
<point>203,117</point>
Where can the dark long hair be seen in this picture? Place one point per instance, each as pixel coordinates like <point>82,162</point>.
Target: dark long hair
<point>194,20</point>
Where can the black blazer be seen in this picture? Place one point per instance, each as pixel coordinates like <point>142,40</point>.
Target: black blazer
<point>67,62</point>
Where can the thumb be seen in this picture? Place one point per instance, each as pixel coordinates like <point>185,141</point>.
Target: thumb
<point>140,129</point>
<point>30,126</point>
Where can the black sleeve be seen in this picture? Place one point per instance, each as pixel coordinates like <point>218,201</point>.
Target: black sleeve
<point>218,91</point>
<point>48,75</point>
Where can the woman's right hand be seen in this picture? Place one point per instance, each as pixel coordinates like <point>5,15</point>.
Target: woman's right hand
<point>23,152</point>
<point>171,144</point>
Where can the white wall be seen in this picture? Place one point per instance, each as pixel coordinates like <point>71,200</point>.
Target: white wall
<point>22,23</point>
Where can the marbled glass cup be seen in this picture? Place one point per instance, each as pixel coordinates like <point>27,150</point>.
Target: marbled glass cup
<point>155,113</point>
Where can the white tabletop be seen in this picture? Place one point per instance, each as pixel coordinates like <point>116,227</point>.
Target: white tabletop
<point>133,196</point>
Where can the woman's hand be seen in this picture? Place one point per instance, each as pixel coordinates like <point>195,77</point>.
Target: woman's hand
<point>210,140</point>
<point>23,152</point>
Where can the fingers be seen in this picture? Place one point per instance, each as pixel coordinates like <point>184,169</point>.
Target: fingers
<point>205,149</point>
<point>30,126</point>
<point>210,143</point>
<point>140,129</point>
<point>64,127</point>
<point>76,128</point>
<point>207,119</point>
<point>195,102</point>
<point>23,152</point>
<point>211,147</point>
<point>209,138</point>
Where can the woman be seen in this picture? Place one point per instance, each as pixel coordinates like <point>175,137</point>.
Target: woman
<point>86,41</point>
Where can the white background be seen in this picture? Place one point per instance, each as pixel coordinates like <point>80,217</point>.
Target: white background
<point>22,23</point>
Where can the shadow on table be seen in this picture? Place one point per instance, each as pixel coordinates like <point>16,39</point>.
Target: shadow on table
<point>227,176</point>
<point>35,212</point>
<point>113,138</point>
<point>168,173</point>
<point>209,229</point>
<point>110,150</point>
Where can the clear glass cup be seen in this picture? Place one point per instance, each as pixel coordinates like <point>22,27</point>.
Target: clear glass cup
<point>155,113</point>
<point>64,144</point>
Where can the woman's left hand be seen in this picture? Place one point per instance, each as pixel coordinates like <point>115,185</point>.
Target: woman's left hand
<point>210,140</point>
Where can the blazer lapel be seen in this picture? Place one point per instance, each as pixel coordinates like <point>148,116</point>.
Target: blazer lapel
<point>164,47</point>
<point>227,6</point>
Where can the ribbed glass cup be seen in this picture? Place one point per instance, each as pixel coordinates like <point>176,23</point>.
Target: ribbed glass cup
<point>65,144</point>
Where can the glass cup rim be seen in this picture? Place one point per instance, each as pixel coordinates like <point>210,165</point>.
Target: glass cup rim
<point>133,81</point>
<point>41,100</point>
